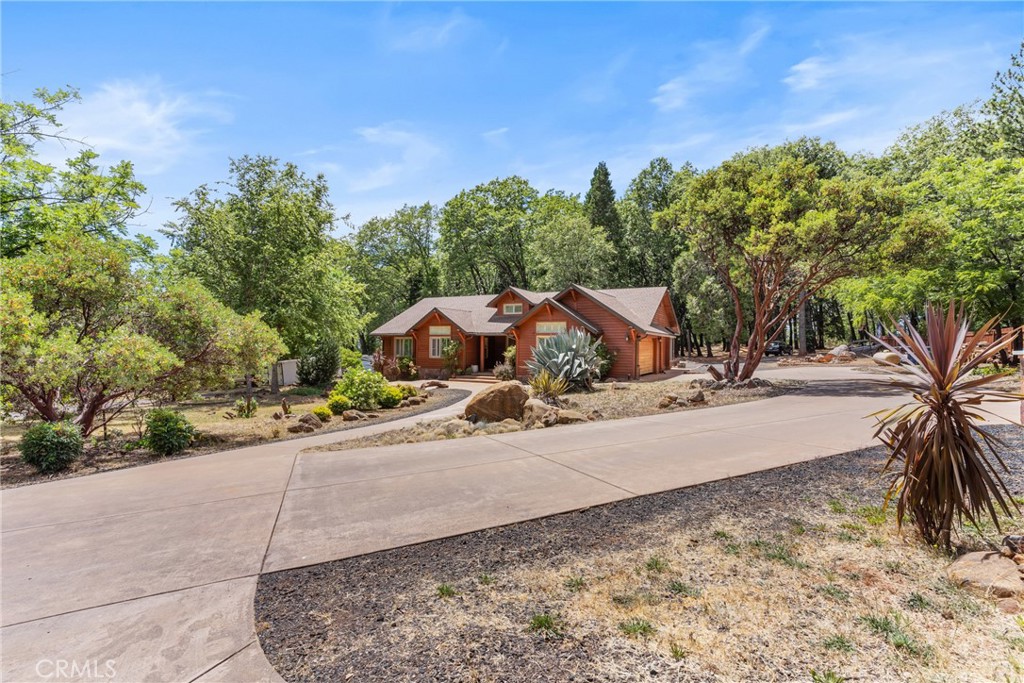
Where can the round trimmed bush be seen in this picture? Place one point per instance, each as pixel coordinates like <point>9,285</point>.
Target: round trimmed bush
<point>338,403</point>
<point>363,387</point>
<point>51,446</point>
<point>322,412</point>
<point>390,397</point>
<point>168,431</point>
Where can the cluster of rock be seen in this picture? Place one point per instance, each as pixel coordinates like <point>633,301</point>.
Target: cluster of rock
<point>669,401</point>
<point>305,423</point>
<point>413,401</point>
<point>506,407</point>
<point>998,575</point>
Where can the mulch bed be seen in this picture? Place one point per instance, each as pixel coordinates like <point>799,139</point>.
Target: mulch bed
<point>379,617</point>
<point>103,457</point>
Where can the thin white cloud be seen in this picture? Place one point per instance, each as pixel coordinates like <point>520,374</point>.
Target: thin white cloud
<point>495,137</point>
<point>879,60</point>
<point>719,65</point>
<point>825,121</point>
<point>754,40</point>
<point>144,121</point>
<point>376,157</point>
<point>423,35</point>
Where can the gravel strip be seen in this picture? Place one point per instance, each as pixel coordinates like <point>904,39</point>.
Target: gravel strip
<point>380,617</point>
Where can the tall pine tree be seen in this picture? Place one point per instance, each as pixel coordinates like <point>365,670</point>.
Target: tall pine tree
<point>600,205</point>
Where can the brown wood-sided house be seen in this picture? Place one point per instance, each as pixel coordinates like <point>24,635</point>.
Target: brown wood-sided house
<point>638,325</point>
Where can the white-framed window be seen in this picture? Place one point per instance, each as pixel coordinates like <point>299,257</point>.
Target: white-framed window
<point>440,331</point>
<point>512,309</point>
<point>437,346</point>
<point>403,347</point>
<point>549,329</point>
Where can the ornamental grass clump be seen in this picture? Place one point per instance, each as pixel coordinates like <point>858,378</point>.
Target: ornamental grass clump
<point>946,467</point>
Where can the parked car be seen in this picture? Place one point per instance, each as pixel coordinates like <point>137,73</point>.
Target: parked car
<point>864,347</point>
<point>777,348</point>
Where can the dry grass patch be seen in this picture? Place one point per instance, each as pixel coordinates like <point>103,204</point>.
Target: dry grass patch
<point>768,577</point>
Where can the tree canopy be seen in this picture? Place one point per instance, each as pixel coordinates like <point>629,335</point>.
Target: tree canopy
<point>266,246</point>
<point>84,332</point>
<point>37,198</point>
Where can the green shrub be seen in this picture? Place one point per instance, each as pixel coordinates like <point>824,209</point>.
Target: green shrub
<point>351,359</point>
<point>364,388</point>
<point>450,355</point>
<point>408,390</point>
<point>168,431</point>
<point>510,355</point>
<point>338,403</point>
<point>407,368</point>
<point>323,412</point>
<point>390,397</point>
<point>246,408</point>
<point>571,356</point>
<point>607,358</point>
<point>51,446</point>
<point>320,366</point>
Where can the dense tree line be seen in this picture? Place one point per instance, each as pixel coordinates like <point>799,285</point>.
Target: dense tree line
<point>853,240</point>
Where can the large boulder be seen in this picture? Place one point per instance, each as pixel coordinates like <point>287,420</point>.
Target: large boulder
<point>353,415</point>
<point>886,358</point>
<point>301,428</point>
<point>499,402</point>
<point>311,420</point>
<point>988,574</point>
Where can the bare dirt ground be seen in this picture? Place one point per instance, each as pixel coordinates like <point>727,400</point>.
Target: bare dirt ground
<point>631,399</point>
<point>215,434</point>
<point>767,577</point>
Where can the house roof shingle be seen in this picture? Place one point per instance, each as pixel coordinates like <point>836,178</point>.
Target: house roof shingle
<point>474,315</point>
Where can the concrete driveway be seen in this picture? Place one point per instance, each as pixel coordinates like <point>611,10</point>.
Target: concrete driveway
<point>149,574</point>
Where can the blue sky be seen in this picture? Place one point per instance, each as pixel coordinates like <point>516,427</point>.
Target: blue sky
<point>405,103</point>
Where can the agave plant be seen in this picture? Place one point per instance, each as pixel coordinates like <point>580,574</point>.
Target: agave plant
<point>945,466</point>
<point>571,355</point>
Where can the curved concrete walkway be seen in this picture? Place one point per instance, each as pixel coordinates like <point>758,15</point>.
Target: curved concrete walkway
<point>149,574</point>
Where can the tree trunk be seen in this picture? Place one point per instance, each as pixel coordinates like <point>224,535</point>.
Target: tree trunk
<point>801,335</point>
<point>275,384</point>
<point>849,321</point>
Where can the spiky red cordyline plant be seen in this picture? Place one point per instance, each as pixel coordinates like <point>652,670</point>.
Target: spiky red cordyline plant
<point>950,466</point>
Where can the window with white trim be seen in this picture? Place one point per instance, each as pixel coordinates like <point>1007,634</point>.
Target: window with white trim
<point>440,331</point>
<point>403,347</point>
<point>437,346</point>
<point>512,309</point>
<point>549,329</point>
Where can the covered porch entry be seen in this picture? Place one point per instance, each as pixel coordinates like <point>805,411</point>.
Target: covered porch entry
<point>492,350</point>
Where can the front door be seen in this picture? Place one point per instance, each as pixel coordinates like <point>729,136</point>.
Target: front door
<point>494,351</point>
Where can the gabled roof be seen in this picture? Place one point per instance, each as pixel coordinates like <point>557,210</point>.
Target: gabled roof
<point>635,306</point>
<point>532,298</point>
<point>477,315</point>
<point>560,307</point>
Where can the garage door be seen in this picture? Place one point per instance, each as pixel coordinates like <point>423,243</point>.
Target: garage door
<point>646,356</point>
